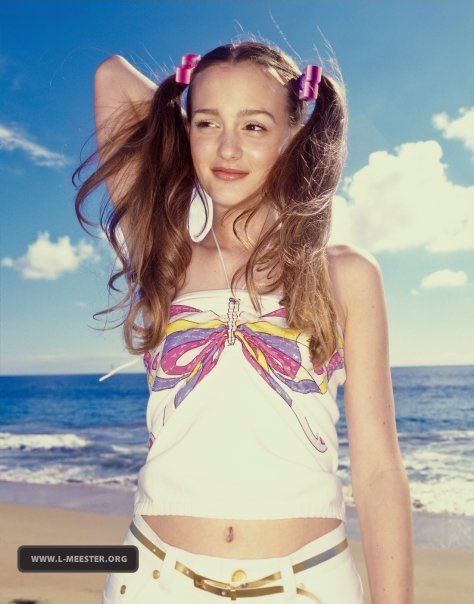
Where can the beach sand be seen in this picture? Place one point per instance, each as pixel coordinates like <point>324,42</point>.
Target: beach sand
<point>442,576</point>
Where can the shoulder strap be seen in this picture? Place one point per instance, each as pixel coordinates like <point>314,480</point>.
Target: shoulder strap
<point>221,258</point>
<point>119,368</point>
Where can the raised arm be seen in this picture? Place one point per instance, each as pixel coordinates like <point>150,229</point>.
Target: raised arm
<point>118,84</point>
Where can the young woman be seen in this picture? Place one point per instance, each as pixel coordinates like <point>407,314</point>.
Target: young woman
<point>246,334</point>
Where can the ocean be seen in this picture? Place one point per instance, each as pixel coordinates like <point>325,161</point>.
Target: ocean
<point>72,430</point>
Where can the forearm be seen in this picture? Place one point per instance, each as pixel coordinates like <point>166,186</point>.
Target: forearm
<point>385,516</point>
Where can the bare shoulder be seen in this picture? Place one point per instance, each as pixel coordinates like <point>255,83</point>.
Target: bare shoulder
<point>355,274</point>
<point>347,258</point>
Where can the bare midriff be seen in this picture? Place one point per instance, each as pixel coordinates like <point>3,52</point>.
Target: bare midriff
<point>249,539</point>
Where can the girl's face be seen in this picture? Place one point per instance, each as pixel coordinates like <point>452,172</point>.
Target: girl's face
<point>221,135</point>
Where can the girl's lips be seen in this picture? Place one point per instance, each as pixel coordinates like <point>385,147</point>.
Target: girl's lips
<point>228,175</point>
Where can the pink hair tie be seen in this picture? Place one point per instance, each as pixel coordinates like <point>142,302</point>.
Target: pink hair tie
<point>308,82</point>
<point>188,63</point>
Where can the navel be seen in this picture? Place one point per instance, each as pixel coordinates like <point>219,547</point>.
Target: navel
<point>229,534</point>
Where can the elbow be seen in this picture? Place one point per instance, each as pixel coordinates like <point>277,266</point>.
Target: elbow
<point>109,63</point>
<point>395,473</point>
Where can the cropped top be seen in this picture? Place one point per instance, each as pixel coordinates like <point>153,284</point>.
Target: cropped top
<point>241,424</point>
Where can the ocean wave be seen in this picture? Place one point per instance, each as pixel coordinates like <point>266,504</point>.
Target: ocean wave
<point>61,474</point>
<point>30,442</point>
<point>451,495</point>
<point>451,435</point>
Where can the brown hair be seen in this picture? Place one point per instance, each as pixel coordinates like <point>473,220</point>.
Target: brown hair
<point>300,187</point>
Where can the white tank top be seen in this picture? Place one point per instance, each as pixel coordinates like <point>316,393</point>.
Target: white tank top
<point>241,424</point>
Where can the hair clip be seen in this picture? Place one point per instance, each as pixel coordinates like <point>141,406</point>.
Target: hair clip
<point>308,82</point>
<point>188,63</point>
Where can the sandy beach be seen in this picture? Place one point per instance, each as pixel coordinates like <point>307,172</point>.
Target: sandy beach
<point>442,576</point>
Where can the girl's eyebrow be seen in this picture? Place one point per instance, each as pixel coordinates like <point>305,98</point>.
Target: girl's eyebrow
<point>242,112</point>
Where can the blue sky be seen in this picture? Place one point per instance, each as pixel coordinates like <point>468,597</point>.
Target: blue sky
<point>407,193</point>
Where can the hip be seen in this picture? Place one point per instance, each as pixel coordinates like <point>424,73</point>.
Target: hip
<point>321,571</point>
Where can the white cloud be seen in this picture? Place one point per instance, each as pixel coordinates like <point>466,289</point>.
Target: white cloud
<point>461,128</point>
<point>444,278</point>
<point>46,259</point>
<point>405,200</point>
<point>11,140</point>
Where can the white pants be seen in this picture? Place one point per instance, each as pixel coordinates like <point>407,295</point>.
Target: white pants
<point>334,581</point>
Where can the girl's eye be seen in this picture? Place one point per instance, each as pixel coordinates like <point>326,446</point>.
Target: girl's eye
<point>202,124</point>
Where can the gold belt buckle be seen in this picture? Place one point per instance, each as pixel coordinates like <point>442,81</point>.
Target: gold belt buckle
<point>200,581</point>
<point>236,584</point>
